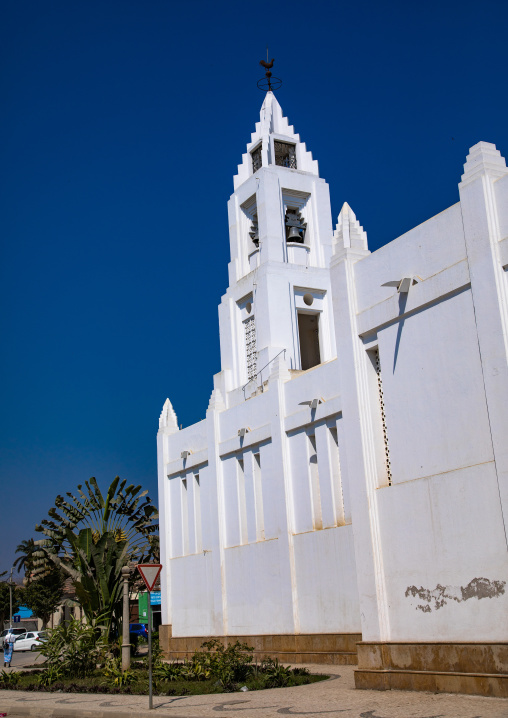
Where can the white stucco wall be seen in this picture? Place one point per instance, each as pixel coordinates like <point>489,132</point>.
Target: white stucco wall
<point>444,411</point>
<point>452,537</point>
<point>431,547</point>
<point>326,581</point>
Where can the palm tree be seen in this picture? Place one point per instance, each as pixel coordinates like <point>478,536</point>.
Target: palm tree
<point>91,537</point>
<point>27,549</point>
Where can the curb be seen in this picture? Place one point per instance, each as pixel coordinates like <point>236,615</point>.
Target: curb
<point>67,713</point>
<point>38,712</point>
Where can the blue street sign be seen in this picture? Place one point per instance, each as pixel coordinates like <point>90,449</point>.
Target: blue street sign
<point>17,619</point>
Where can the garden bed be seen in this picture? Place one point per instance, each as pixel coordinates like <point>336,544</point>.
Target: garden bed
<point>99,683</point>
<point>75,662</point>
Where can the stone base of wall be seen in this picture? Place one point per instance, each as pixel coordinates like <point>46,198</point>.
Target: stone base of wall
<point>474,668</point>
<point>165,633</point>
<point>335,648</point>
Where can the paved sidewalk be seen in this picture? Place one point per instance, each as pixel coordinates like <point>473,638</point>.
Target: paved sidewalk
<point>336,697</point>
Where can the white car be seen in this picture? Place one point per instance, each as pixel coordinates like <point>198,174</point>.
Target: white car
<point>15,632</point>
<point>30,642</point>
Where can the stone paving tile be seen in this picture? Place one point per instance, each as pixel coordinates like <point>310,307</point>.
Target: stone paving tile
<point>335,698</point>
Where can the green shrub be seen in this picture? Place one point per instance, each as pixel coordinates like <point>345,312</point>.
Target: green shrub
<point>157,653</point>
<point>229,665</point>
<point>124,678</point>
<point>114,671</point>
<point>47,677</point>
<point>74,647</point>
<point>195,670</point>
<point>9,678</point>
<point>169,671</point>
<point>276,675</point>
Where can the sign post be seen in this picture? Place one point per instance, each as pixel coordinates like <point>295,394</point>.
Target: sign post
<point>11,584</point>
<point>149,573</point>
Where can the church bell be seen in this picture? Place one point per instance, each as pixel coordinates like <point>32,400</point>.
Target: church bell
<point>294,235</point>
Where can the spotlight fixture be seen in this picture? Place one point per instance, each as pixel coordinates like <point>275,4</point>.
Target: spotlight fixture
<point>185,454</point>
<point>243,431</point>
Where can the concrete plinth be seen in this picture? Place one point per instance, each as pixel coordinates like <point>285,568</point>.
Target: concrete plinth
<point>473,668</point>
<point>324,648</point>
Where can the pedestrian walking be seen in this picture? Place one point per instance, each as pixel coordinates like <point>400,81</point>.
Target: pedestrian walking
<point>8,648</point>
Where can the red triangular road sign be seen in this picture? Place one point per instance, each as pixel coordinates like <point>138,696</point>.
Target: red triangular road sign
<point>149,573</point>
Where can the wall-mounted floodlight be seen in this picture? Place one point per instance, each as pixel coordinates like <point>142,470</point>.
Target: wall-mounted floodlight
<point>243,431</point>
<point>185,454</point>
<point>403,285</point>
<point>313,403</point>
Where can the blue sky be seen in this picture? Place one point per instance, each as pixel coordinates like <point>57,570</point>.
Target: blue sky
<point>122,124</point>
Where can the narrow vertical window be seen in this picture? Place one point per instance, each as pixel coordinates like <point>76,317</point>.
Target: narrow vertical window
<point>256,159</point>
<point>242,505</point>
<point>377,364</point>
<point>315,493</point>
<point>185,518</point>
<point>250,346</point>
<point>258,494</point>
<point>336,477</point>
<point>197,514</point>
<point>308,331</point>
<point>254,230</point>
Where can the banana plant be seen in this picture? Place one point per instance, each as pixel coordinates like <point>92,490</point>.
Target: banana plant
<point>91,537</point>
<point>95,567</point>
<point>125,511</point>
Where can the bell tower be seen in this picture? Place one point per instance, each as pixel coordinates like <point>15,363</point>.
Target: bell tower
<point>280,227</point>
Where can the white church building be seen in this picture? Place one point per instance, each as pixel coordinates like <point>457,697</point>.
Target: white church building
<point>346,498</point>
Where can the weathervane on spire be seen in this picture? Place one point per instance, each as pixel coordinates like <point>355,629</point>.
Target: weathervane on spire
<point>268,82</point>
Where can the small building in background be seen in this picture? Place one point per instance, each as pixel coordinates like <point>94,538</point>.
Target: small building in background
<point>24,618</point>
